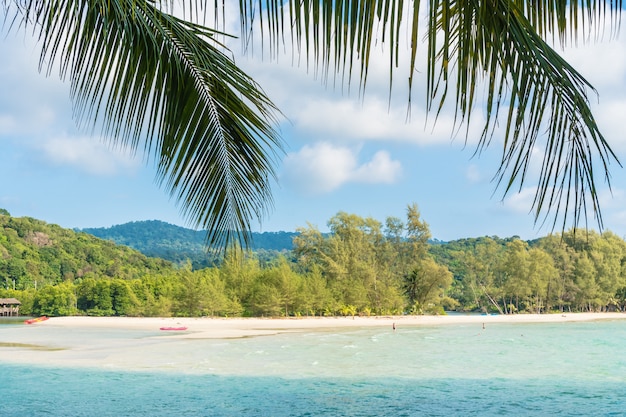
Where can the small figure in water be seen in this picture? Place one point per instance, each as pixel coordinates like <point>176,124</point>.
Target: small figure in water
<point>394,326</point>
<point>483,326</point>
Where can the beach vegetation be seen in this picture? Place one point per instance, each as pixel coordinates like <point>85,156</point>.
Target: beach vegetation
<point>94,297</point>
<point>426,284</point>
<point>361,267</point>
<point>55,300</point>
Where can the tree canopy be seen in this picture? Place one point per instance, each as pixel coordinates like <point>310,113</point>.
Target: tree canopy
<point>363,267</point>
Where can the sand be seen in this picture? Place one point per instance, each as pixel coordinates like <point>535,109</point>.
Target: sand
<point>221,328</point>
<point>80,343</point>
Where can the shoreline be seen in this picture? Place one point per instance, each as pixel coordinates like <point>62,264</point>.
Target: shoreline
<point>137,343</point>
<point>430,365</point>
<point>226,328</point>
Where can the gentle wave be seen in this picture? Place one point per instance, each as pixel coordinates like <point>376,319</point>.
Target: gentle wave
<point>523,369</point>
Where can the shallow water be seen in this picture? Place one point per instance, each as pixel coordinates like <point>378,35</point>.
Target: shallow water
<point>523,369</point>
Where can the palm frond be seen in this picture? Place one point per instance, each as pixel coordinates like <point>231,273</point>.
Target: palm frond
<point>153,80</point>
<point>501,44</point>
<point>546,99</point>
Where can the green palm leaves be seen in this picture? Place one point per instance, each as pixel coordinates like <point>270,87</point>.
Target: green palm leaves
<point>546,105</point>
<point>153,80</point>
<point>533,100</point>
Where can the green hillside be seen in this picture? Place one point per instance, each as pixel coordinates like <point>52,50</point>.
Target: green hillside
<point>178,244</point>
<point>57,271</point>
<point>33,252</point>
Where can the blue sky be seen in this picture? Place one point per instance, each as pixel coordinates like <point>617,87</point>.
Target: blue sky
<point>342,154</point>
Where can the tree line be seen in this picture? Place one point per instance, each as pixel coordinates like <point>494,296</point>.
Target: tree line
<point>577,270</point>
<point>362,266</point>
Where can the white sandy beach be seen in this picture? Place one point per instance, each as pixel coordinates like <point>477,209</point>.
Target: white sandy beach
<point>431,365</point>
<point>220,328</point>
<point>206,343</point>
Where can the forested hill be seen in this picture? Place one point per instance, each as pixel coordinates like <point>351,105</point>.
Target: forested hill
<point>34,253</point>
<point>357,269</point>
<point>177,244</point>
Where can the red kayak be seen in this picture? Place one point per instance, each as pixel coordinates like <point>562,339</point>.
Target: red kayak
<point>174,328</point>
<point>36,320</point>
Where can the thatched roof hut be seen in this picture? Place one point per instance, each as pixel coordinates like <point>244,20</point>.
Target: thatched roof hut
<point>9,307</point>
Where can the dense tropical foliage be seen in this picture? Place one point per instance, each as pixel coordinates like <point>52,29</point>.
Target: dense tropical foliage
<point>179,244</point>
<point>165,83</point>
<point>362,267</point>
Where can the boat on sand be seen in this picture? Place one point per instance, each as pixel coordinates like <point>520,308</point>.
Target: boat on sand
<point>36,320</point>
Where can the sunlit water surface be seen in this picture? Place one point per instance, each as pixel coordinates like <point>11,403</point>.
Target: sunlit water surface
<point>575,369</point>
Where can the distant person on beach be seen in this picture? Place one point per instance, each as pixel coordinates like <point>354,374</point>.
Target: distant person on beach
<point>394,326</point>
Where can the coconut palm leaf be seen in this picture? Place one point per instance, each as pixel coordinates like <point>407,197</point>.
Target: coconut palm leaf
<point>499,44</point>
<point>154,81</point>
<point>150,79</point>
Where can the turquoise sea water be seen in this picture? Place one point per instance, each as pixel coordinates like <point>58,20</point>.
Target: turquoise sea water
<point>565,369</point>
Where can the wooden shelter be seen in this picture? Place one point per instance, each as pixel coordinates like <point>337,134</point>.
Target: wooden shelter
<point>9,307</point>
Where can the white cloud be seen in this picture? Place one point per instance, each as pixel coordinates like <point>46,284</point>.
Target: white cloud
<point>323,167</point>
<point>36,115</point>
<point>603,63</point>
<point>87,154</point>
<point>319,168</point>
<point>522,201</point>
<point>371,120</point>
<point>380,170</point>
<point>610,119</point>
<point>30,103</point>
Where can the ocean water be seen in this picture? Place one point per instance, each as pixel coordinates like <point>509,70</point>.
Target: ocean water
<point>564,369</point>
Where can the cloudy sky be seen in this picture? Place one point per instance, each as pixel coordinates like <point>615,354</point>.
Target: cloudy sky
<point>342,154</point>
